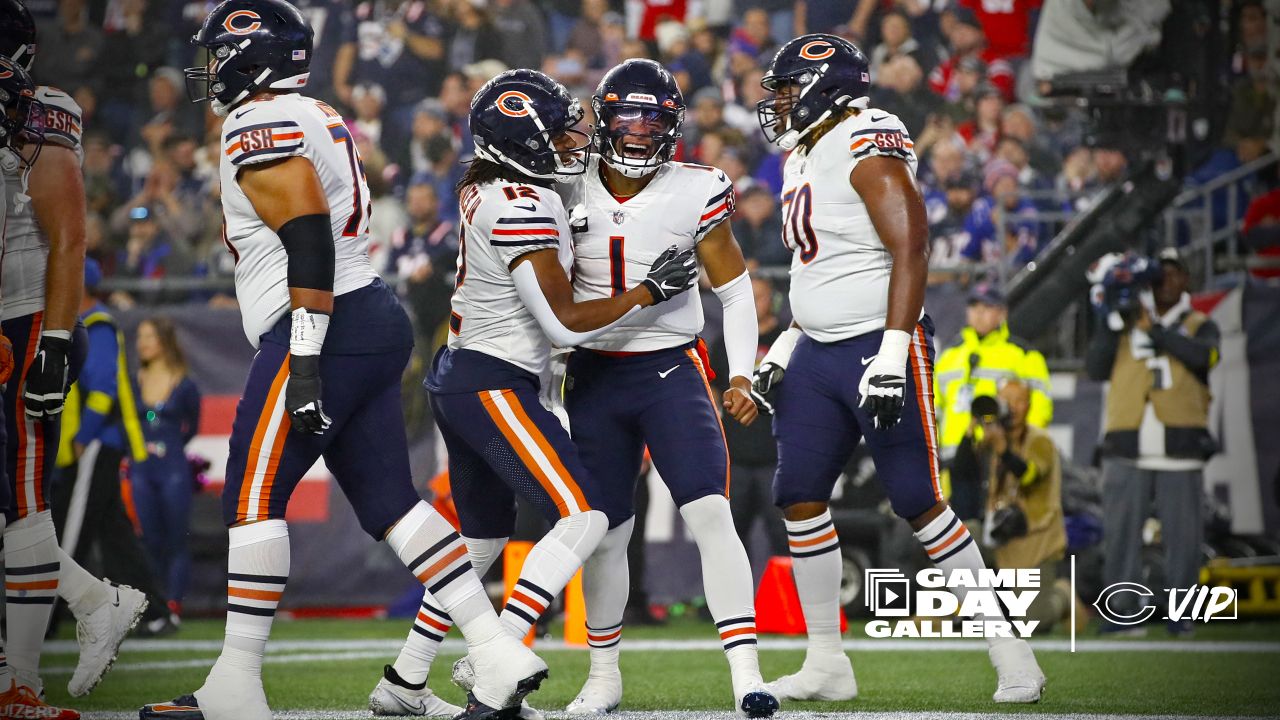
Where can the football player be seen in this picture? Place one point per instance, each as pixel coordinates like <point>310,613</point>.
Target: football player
<point>859,359</point>
<point>43,277</point>
<point>512,301</point>
<point>645,383</point>
<point>332,344</point>
<point>19,144</point>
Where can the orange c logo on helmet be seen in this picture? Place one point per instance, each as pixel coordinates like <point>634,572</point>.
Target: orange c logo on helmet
<point>6,74</point>
<point>236,22</point>
<point>513,103</point>
<point>825,50</point>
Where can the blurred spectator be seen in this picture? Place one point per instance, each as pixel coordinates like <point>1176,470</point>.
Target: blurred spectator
<point>1111,165</point>
<point>829,15</point>
<point>1156,436</point>
<point>1012,151</point>
<point>969,77</point>
<point>1018,122</point>
<point>368,100</point>
<point>1079,36</point>
<point>753,454</point>
<point>707,110</point>
<point>424,253</point>
<point>401,46</point>
<point>983,130</point>
<point>677,53</point>
<point>900,87</point>
<point>1251,122</point>
<point>967,39</point>
<point>952,231</point>
<point>945,162</point>
<point>430,122</point>
<point>561,16</point>
<point>169,112</point>
<point>163,484</point>
<point>158,204</point>
<point>479,73</point>
<point>386,212</point>
<point>523,32</point>
<point>95,241</point>
<point>474,36</point>
<point>1007,24</point>
<point>1009,232</point>
<point>134,41</point>
<point>757,226</point>
<point>752,40</point>
<point>895,41</point>
<point>71,49</point>
<point>105,183</point>
<point>587,34</point>
<point>147,250</point>
<point>1077,180</point>
<point>333,52</point>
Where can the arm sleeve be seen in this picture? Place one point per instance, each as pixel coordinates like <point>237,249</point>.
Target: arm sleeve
<point>1199,353</point>
<point>98,382</point>
<point>720,204</point>
<point>1101,355</point>
<point>741,330</point>
<point>1035,373</point>
<point>530,291</point>
<point>261,132</point>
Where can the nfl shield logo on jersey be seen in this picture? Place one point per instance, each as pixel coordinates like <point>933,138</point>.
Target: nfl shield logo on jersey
<point>619,217</point>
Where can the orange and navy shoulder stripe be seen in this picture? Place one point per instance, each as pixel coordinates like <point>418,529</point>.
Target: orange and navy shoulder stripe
<point>263,140</point>
<point>717,210</point>
<point>524,232</point>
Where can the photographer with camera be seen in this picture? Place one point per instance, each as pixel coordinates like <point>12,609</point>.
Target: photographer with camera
<point>1017,464</point>
<point>1156,351</point>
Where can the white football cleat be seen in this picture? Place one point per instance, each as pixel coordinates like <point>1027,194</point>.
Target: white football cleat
<point>1019,677</point>
<point>100,634</point>
<point>464,676</point>
<point>394,696</point>
<point>828,677</point>
<point>601,695</point>
<point>503,671</point>
<point>230,693</point>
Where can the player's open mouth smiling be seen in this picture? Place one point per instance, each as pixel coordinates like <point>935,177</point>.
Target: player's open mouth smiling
<point>638,151</point>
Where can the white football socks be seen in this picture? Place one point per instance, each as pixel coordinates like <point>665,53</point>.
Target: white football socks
<point>606,583</point>
<point>550,565</point>
<point>951,548</point>
<point>257,570</point>
<point>815,564</point>
<point>31,583</point>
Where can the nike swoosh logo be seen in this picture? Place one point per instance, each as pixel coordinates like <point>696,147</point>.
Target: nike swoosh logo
<point>878,119</point>
<point>867,360</point>
<point>116,602</point>
<point>664,375</point>
<point>242,113</point>
<point>530,208</point>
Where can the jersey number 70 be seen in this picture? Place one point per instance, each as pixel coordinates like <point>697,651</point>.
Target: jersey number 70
<point>797,224</point>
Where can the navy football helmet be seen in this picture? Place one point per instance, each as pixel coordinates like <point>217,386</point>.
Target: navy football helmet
<point>253,45</point>
<point>811,78</point>
<point>638,100</point>
<point>17,33</point>
<point>21,115</point>
<point>520,120</point>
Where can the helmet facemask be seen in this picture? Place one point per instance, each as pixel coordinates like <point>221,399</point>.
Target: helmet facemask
<point>796,107</point>
<point>636,139</point>
<point>210,82</point>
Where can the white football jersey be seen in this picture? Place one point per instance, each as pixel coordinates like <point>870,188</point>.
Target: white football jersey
<point>26,249</point>
<point>273,128</point>
<point>500,222</point>
<point>622,238</point>
<point>839,267</point>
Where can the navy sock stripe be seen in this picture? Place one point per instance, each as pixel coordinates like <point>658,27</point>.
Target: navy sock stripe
<point>250,610</point>
<point>33,569</point>
<point>263,579</point>
<point>736,643</point>
<point>939,536</point>
<point>536,590</point>
<point>427,633</point>
<point>450,539</point>
<point>597,646</point>
<point>814,553</point>
<point>737,621</point>
<point>440,615</point>
<point>967,541</point>
<point>31,599</point>
<point>811,531</point>
<point>520,614</point>
<point>462,569</point>
<point>609,629</point>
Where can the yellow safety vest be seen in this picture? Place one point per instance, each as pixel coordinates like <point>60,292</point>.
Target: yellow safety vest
<point>102,403</point>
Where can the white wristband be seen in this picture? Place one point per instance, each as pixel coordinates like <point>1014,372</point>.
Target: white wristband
<point>780,352</point>
<point>307,329</point>
<point>893,347</point>
<point>60,334</point>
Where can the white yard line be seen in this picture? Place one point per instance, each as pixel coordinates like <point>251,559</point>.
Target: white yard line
<point>363,714</point>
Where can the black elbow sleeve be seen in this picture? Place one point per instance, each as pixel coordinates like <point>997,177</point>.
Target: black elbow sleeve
<point>308,241</point>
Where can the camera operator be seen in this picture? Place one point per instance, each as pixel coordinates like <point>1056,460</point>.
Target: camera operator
<point>1018,464</point>
<point>1156,439</point>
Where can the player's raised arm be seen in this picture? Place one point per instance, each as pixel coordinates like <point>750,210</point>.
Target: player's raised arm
<point>727,270</point>
<point>546,291</point>
<point>289,198</point>
<point>893,201</point>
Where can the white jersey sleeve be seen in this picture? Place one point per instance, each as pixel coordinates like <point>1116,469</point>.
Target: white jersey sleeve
<point>62,123</point>
<point>721,202</point>
<point>876,132</point>
<point>500,223</point>
<point>275,128</point>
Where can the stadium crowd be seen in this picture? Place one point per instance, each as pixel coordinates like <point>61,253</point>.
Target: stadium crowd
<point>1000,166</point>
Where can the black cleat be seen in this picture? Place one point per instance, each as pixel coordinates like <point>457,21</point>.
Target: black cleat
<point>182,708</point>
<point>759,704</point>
<point>477,710</point>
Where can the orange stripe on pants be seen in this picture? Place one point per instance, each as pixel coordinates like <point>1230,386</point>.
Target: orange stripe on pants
<point>513,439</point>
<point>255,447</point>
<point>697,364</point>
<point>547,450</point>
<point>33,465</point>
<point>919,361</point>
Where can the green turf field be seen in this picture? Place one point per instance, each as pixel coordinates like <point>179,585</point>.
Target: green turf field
<point>1228,669</point>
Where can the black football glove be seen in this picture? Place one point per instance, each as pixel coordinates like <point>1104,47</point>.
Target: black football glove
<point>302,395</point>
<point>764,383</point>
<point>46,387</point>
<point>671,274</point>
<point>883,391</point>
